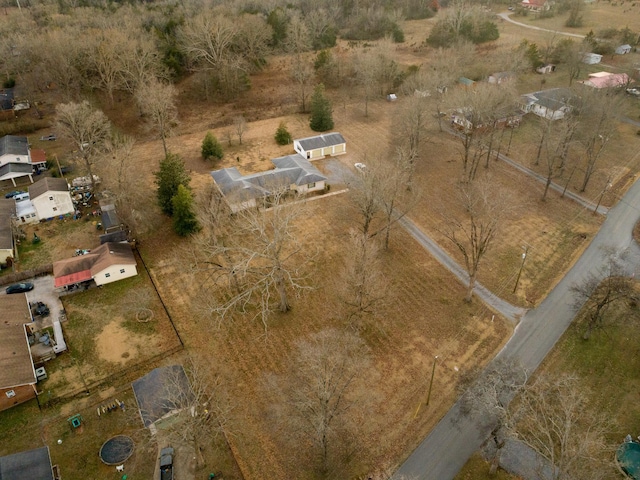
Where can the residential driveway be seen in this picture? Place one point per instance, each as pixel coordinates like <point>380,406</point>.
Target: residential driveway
<point>336,170</point>
<point>43,291</point>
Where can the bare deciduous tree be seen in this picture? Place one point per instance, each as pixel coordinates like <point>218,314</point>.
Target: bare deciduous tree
<point>598,127</point>
<point>321,388</point>
<point>254,262</point>
<point>297,43</point>
<point>87,128</point>
<point>489,396</point>
<point>202,409</point>
<point>484,207</point>
<point>364,282</point>
<point>241,126</point>
<point>156,100</point>
<point>552,417</point>
<point>600,290</point>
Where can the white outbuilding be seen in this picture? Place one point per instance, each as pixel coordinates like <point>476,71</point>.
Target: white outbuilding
<point>319,146</point>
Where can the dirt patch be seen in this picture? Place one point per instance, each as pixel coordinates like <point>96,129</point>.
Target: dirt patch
<point>116,344</point>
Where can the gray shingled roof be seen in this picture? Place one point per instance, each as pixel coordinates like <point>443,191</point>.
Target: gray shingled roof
<point>292,169</point>
<point>30,465</point>
<point>553,99</point>
<point>23,168</point>
<point>10,144</point>
<point>7,210</point>
<point>320,141</point>
<point>47,184</point>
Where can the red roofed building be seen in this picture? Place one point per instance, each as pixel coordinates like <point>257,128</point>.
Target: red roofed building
<point>107,263</point>
<point>607,80</point>
<point>536,5</point>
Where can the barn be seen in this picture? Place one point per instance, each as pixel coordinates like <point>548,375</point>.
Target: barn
<point>319,146</point>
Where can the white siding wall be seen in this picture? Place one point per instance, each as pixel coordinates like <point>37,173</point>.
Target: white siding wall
<point>305,188</point>
<point>4,253</point>
<point>47,202</point>
<point>115,273</point>
<point>13,158</point>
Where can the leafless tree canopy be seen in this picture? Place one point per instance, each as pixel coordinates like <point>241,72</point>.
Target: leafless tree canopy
<point>322,387</point>
<point>553,418</point>
<point>87,128</point>
<point>251,262</point>
<point>600,290</point>
<point>157,102</point>
<point>485,206</point>
<point>364,282</point>
<point>200,405</point>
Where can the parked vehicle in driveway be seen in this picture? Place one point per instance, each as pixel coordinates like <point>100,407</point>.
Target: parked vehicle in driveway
<point>20,287</point>
<point>166,463</point>
<point>40,309</point>
<point>51,137</point>
<point>13,194</point>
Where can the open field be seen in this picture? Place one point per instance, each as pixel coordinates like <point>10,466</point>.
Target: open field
<point>423,316</point>
<point>597,16</point>
<point>419,321</point>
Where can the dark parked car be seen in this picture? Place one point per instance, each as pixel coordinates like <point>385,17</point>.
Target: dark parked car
<point>13,194</point>
<point>20,287</point>
<point>41,309</point>
<point>166,463</point>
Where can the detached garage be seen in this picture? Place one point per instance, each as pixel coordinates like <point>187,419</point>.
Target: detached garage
<point>319,146</point>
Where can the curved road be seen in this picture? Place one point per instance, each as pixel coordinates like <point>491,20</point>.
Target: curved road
<point>458,435</point>
<point>505,16</point>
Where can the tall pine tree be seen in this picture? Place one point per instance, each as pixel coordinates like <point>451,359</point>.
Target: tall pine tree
<point>321,116</point>
<point>184,215</point>
<point>171,175</point>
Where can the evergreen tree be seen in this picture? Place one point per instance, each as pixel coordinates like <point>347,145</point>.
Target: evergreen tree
<point>321,117</point>
<point>171,175</point>
<point>184,216</point>
<point>282,136</point>
<point>211,148</point>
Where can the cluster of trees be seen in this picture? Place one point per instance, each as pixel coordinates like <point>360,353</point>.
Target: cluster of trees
<point>174,195</point>
<point>463,21</point>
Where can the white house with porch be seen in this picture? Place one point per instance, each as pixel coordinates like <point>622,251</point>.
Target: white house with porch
<point>319,146</point>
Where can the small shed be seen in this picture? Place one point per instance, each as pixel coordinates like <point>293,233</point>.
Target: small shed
<point>623,49</point>
<point>547,68</point>
<point>392,97</point>
<point>466,82</point>
<point>591,58</point>
<point>319,146</point>
<point>499,78</point>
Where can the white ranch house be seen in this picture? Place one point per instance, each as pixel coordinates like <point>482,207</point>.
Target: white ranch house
<point>552,104</point>
<point>319,146</point>
<point>292,173</point>
<point>15,161</point>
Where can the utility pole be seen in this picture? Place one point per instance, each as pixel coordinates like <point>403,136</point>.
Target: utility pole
<point>433,372</point>
<point>524,257</point>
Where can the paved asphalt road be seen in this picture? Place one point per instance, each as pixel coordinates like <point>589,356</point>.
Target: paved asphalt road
<point>458,435</point>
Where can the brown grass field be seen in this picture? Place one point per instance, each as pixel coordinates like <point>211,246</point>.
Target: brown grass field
<point>424,314</point>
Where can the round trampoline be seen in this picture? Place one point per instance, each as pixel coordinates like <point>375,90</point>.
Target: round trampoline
<point>116,450</point>
<point>628,456</point>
